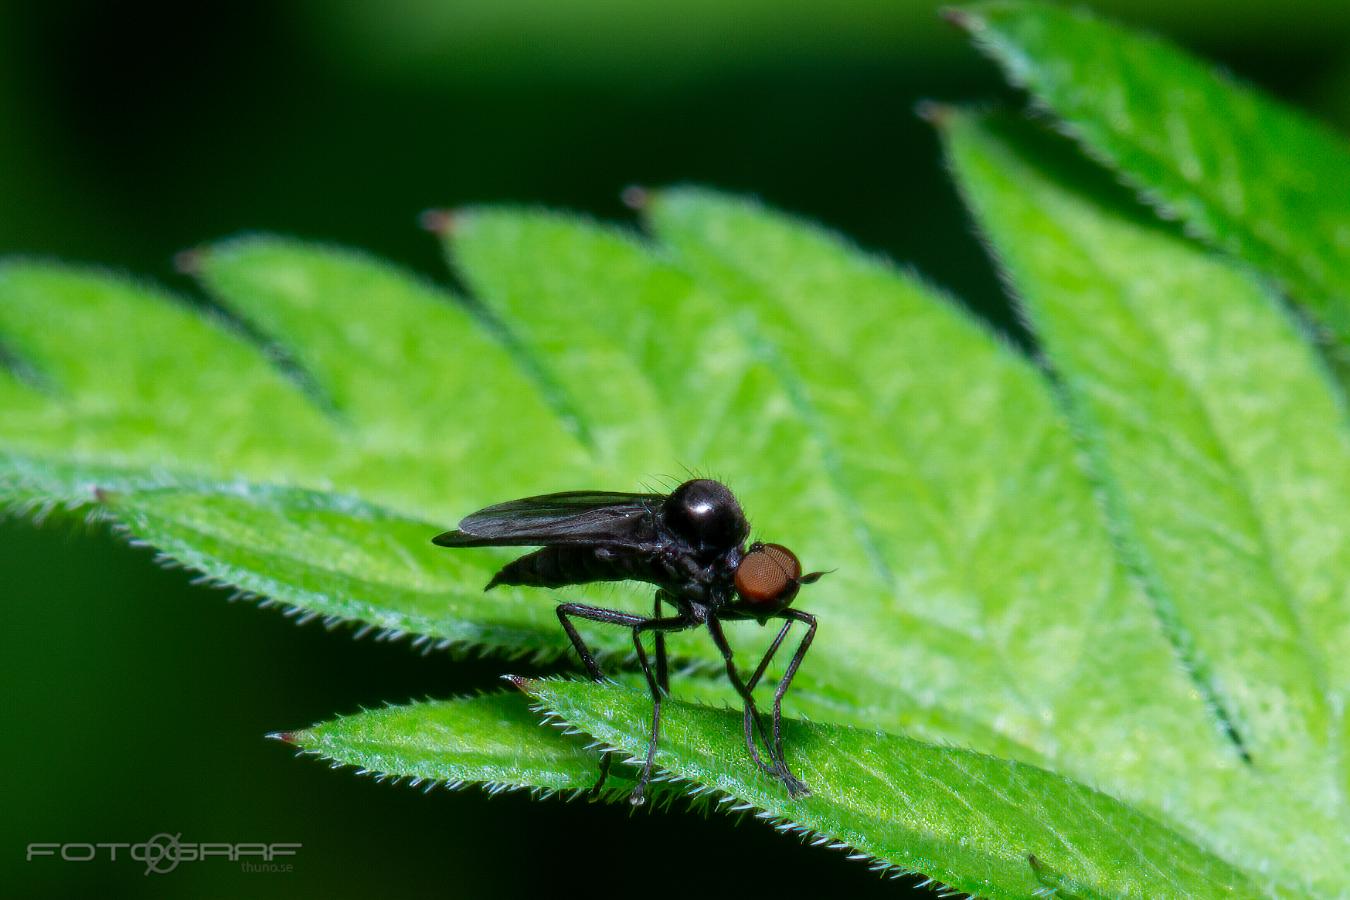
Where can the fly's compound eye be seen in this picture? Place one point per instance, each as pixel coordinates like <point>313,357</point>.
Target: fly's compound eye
<point>768,577</point>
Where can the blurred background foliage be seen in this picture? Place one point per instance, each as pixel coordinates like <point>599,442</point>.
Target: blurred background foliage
<point>135,702</point>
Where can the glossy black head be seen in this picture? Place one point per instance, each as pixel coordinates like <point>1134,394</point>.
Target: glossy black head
<point>707,515</point>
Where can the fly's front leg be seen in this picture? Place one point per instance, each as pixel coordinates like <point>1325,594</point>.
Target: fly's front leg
<point>751,711</point>
<point>810,620</point>
<point>593,614</point>
<point>660,626</point>
<point>768,656</point>
<point>750,686</point>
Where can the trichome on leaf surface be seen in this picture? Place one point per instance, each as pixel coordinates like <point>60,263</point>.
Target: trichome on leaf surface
<point>1087,631</point>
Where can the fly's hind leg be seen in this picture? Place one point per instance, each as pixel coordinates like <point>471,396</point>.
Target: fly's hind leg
<point>662,667</point>
<point>639,624</point>
<point>594,614</point>
<point>660,626</point>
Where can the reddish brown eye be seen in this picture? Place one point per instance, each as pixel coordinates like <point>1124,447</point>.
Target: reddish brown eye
<point>768,576</point>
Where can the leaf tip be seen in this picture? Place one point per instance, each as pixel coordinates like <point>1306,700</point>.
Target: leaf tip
<point>286,737</point>
<point>103,495</point>
<point>439,222</point>
<point>636,197</point>
<point>935,113</point>
<point>525,685</point>
<point>190,262</point>
<point>963,19</point>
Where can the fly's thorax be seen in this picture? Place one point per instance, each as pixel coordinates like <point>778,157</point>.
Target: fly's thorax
<point>706,516</point>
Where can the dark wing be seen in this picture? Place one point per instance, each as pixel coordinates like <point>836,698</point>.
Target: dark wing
<point>575,517</point>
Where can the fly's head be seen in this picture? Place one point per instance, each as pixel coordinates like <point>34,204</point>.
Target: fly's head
<point>768,578</point>
<point>707,515</point>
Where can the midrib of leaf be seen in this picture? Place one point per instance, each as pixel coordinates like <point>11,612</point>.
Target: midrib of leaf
<point>536,300</point>
<point>1266,555</point>
<point>1014,194</point>
<point>20,383</point>
<point>551,391</point>
<point>1164,599</point>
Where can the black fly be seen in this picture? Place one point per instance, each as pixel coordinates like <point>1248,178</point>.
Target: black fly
<point>691,545</point>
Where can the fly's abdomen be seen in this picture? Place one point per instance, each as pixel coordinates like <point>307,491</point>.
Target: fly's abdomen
<point>563,565</point>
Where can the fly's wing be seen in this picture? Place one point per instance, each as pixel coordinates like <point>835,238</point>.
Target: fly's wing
<point>575,517</point>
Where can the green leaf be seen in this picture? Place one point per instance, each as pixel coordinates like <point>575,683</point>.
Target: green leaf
<point>960,817</point>
<point>410,414</point>
<point>1245,172</point>
<point>951,442</point>
<point>494,740</point>
<point>963,818</point>
<point>1218,439</point>
<point>122,378</point>
<point>340,559</point>
<point>901,444</point>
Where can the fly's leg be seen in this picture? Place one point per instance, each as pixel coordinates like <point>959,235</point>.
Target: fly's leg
<point>594,614</point>
<point>751,711</point>
<point>768,656</point>
<point>662,668</point>
<point>779,769</point>
<point>639,625</point>
<point>660,626</point>
<point>750,686</point>
<point>810,620</point>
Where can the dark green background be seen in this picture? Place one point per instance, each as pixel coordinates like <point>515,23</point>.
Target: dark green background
<point>134,702</point>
